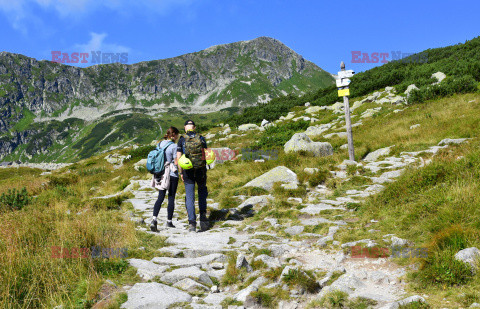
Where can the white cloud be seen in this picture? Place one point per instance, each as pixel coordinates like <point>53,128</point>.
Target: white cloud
<point>21,13</point>
<point>97,43</point>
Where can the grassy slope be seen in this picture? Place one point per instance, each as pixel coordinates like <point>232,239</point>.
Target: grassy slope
<point>424,206</point>
<point>48,223</point>
<point>63,215</point>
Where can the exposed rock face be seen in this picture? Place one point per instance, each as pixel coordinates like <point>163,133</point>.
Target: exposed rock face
<point>209,76</point>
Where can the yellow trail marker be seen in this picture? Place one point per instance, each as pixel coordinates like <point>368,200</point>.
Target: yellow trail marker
<point>343,92</point>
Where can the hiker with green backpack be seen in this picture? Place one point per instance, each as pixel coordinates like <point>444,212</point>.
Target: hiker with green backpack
<point>162,162</point>
<point>193,169</point>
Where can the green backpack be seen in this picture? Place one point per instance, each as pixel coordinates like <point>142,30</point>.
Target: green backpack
<point>194,151</point>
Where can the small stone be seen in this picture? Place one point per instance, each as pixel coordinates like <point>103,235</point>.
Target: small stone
<point>469,256</point>
<point>242,262</point>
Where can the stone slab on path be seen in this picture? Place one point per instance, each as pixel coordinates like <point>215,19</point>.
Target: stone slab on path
<point>146,269</point>
<point>186,262</point>
<point>189,272</point>
<point>314,209</point>
<point>154,295</point>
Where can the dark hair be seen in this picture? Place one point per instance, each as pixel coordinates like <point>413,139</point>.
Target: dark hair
<point>170,132</point>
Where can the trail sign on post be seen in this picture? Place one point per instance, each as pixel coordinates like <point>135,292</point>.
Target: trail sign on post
<point>343,82</point>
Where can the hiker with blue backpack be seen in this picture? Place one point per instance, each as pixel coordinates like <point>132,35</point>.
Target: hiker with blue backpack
<point>192,161</point>
<point>162,163</point>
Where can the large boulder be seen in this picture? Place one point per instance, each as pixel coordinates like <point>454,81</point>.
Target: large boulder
<point>470,256</point>
<point>410,89</point>
<point>439,76</point>
<point>301,142</point>
<point>277,174</point>
<point>248,126</point>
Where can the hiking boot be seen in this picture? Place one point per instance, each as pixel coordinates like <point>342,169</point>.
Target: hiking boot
<point>169,224</point>
<point>192,228</point>
<point>203,222</point>
<point>153,226</point>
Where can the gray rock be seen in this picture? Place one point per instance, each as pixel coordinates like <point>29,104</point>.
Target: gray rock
<point>273,222</point>
<point>439,76</point>
<point>301,142</point>
<point>347,283</point>
<point>215,299</point>
<point>286,270</point>
<point>277,174</point>
<point>217,266</point>
<point>404,302</point>
<point>410,88</point>
<point>189,272</point>
<point>243,294</point>
<point>389,89</point>
<point>337,134</point>
<point>146,269</point>
<point>294,230</point>
<point>287,304</point>
<point>260,200</point>
<point>248,126</point>
<point>317,130</point>
<point>243,263</point>
<point>470,256</point>
<point>310,170</point>
<point>191,286</point>
<point>313,109</point>
<point>449,141</point>
<point>398,242</point>
<point>227,131</point>
<point>415,126</point>
<point>219,273</point>
<point>279,250</point>
<point>186,262</point>
<point>397,100</point>
<point>373,156</point>
<point>314,209</point>
<point>378,277</point>
<point>154,295</point>
<point>356,105</point>
<point>270,261</point>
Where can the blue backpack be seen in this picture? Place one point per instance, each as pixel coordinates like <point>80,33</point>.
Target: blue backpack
<point>156,159</point>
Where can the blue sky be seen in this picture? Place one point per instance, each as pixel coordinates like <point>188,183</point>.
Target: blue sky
<point>324,32</point>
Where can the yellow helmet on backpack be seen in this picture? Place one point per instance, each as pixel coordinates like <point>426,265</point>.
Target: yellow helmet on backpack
<point>185,162</point>
<point>209,156</point>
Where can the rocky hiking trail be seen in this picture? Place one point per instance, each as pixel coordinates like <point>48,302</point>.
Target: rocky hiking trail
<point>189,270</point>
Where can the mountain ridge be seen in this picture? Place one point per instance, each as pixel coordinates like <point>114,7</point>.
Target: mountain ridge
<point>235,74</point>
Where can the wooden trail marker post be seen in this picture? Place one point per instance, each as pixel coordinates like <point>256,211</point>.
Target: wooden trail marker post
<point>343,82</point>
